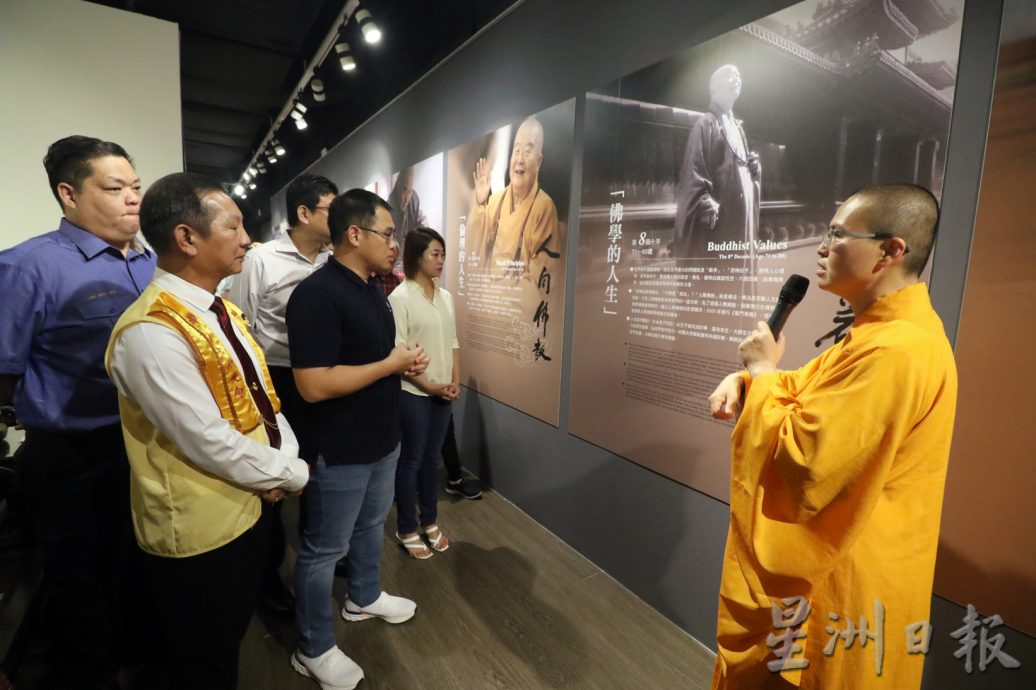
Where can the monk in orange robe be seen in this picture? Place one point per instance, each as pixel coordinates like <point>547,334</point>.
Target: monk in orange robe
<point>838,471</point>
<point>516,229</point>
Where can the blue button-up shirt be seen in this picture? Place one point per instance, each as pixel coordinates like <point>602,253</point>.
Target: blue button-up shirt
<point>60,295</point>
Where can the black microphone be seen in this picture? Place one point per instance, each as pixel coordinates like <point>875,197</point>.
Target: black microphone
<point>791,294</point>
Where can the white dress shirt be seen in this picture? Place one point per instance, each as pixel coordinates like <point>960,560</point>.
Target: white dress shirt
<point>268,277</point>
<point>429,323</point>
<point>155,367</point>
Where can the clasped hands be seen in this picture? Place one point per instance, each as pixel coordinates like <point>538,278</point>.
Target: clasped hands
<point>408,360</point>
<point>275,495</point>
<point>448,391</point>
<point>411,361</point>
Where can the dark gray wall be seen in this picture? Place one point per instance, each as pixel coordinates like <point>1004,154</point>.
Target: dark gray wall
<point>662,540</point>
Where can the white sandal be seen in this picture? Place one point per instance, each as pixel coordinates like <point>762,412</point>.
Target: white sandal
<point>414,546</point>
<point>436,542</point>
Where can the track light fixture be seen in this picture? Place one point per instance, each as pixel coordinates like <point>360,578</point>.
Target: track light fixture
<point>268,150</point>
<point>317,87</point>
<point>297,113</point>
<point>371,32</point>
<point>345,56</point>
<point>239,189</point>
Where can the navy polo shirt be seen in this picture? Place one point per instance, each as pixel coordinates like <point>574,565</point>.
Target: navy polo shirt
<point>335,317</point>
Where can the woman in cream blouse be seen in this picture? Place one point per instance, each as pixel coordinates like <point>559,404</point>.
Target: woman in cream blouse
<point>424,316</point>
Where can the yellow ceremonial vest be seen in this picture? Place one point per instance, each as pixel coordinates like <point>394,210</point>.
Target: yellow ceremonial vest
<point>178,508</point>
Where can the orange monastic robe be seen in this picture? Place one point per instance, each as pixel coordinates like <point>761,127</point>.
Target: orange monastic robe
<point>508,238</point>
<point>836,493</point>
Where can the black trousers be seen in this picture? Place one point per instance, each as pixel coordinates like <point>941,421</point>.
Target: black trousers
<point>293,409</point>
<point>77,497</point>
<point>450,456</point>
<point>203,605</point>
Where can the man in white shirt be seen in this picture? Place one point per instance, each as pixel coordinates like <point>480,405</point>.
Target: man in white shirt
<point>203,433</point>
<point>267,279</point>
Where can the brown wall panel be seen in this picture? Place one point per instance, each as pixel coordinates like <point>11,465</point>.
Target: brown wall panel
<point>988,536</point>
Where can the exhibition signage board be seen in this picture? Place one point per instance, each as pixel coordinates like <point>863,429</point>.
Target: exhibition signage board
<point>708,179</point>
<point>506,230</point>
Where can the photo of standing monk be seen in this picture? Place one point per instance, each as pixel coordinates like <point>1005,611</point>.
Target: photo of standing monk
<point>710,177</point>
<point>717,199</point>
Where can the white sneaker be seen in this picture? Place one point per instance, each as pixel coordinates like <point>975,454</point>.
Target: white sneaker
<point>387,607</point>
<point>333,670</point>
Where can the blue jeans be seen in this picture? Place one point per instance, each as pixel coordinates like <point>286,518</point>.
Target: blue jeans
<point>422,421</point>
<point>345,511</point>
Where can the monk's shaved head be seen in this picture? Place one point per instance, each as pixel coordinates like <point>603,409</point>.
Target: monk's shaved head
<point>526,157</point>
<point>532,131</point>
<point>725,86</point>
<point>907,211</point>
<point>721,75</point>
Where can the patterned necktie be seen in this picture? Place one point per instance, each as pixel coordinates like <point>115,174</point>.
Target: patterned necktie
<point>262,401</point>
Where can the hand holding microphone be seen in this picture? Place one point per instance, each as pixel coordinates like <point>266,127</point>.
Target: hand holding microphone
<point>762,350</point>
<point>759,352</point>
<point>792,292</point>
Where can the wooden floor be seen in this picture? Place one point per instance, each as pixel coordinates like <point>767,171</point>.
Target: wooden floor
<point>507,606</point>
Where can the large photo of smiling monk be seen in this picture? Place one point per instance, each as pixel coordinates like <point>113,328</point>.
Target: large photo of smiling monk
<point>507,199</point>
<point>518,223</point>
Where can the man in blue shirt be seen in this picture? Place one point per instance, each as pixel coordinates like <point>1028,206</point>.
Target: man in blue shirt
<point>62,293</point>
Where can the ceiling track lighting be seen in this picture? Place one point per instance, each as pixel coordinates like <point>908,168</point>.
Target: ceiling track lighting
<point>371,32</point>
<point>345,56</point>
<point>316,86</point>
<point>296,110</point>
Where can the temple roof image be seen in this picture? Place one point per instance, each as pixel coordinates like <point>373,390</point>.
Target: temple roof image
<point>896,23</point>
<point>857,44</point>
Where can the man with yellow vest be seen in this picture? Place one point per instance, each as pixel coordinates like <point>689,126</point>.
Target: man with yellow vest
<point>203,432</point>
<point>838,471</point>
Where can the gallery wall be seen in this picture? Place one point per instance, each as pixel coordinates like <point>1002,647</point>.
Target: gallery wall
<point>658,537</point>
<point>980,542</point>
<point>60,77</point>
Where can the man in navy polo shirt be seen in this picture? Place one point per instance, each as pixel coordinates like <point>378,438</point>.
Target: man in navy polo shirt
<point>341,337</point>
<point>62,293</point>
